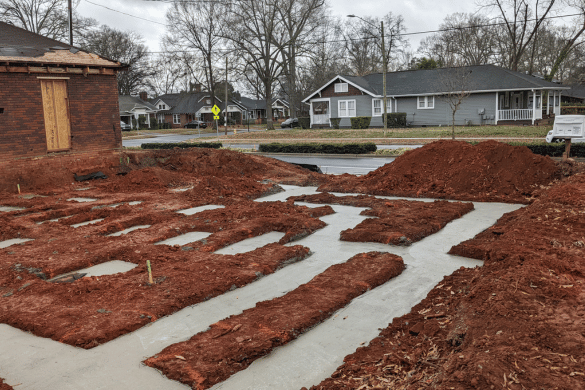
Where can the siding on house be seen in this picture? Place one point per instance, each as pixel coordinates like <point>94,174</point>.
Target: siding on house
<point>442,114</point>
<point>93,109</point>
<point>363,107</point>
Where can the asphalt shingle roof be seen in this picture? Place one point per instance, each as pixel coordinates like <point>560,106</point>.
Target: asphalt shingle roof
<point>127,103</point>
<point>22,46</point>
<point>435,81</point>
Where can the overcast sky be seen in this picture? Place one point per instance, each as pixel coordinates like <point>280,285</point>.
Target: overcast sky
<point>419,15</point>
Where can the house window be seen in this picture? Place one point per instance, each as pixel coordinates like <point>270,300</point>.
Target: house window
<point>377,106</point>
<point>346,108</point>
<point>177,119</point>
<point>161,118</point>
<point>340,87</point>
<point>426,102</point>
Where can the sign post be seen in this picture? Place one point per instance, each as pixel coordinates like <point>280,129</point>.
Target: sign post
<point>216,110</point>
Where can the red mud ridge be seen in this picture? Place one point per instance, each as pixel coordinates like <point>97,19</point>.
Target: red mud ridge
<point>231,345</point>
<point>517,322</point>
<point>397,222</point>
<point>489,171</point>
<point>4,386</point>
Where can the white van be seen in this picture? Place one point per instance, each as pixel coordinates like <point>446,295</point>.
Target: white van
<point>567,126</point>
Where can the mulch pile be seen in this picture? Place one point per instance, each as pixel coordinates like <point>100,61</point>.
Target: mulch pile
<point>231,345</point>
<point>4,386</point>
<point>396,222</point>
<point>489,171</point>
<point>516,323</point>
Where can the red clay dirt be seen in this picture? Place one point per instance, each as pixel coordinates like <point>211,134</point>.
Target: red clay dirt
<point>397,222</point>
<point>516,323</point>
<point>5,386</point>
<point>231,345</point>
<point>487,172</point>
<point>91,311</point>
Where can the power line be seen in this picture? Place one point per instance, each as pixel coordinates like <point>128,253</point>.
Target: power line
<point>318,42</point>
<point>124,13</point>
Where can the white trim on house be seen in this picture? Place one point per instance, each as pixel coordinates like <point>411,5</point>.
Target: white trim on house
<point>332,80</point>
<point>427,104</point>
<point>341,87</point>
<point>479,91</point>
<point>346,110</point>
<point>388,106</point>
<point>320,117</point>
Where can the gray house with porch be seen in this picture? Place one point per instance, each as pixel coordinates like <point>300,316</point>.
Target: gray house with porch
<point>496,96</point>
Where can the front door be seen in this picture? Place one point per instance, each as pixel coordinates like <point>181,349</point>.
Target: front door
<point>56,110</point>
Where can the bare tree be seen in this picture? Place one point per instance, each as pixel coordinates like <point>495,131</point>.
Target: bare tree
<point>125,47</point>
<point>571,38</point>
<point>197,26</point>
<point>454,84</point>
<point>257,35</point>
<point>46,17</point>
<point>299,19</point>
<point>521,20</point>
<point>168,75</point>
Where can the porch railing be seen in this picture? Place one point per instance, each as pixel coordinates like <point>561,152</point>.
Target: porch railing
<point>322,119</point>
<point>515,114</point>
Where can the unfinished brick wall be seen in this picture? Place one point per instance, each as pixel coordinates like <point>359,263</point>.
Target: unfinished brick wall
<point>93,108</point>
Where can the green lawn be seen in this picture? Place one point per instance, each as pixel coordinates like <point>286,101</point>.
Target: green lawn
<point>420,132</point>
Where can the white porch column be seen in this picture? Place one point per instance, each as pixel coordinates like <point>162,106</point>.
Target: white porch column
<point>548,103</point>
<point>559,103</point>
<point>311,114</point>
<point>497,113</point>
<point>148,119</point>
<point>533,106</point>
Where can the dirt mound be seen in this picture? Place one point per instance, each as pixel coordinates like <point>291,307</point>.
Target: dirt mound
<point>489,171</point>
<point>515,323</point>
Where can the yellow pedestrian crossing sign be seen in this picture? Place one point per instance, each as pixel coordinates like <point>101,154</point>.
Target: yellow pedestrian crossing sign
<point>216,110</point>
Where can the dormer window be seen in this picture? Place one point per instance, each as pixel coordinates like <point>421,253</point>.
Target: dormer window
<point>340,87</point>
<point>208,101</point>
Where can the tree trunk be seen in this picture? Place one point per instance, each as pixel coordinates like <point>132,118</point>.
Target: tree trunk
<point>268,89</point>
<point>453,126</point>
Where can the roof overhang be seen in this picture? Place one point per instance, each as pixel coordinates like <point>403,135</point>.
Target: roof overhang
<point>331,81</point>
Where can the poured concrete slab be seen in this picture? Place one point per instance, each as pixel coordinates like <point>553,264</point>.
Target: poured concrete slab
<point>87,223</point>
<point>250,244</point>
<point>6,209</point>
<point>184,239</point>
<point>82,200</point>
<point>55,219</point>
<point>13,241</point>
<point>182,189</point>
<point>126,231</point>
<point>199,209</point>
<point>109,268</point>
<point>32,196</point>
<point>34,363</point>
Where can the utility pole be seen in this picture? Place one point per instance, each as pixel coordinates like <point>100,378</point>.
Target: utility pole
<point>70,23</point>
<point>384,70</point>
<point>225,114</point>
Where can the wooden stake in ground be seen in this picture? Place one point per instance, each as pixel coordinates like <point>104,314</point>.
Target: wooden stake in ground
<point>567,153</point>
<point>149,272</point>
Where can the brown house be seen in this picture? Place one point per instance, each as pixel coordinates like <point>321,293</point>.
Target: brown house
<point>54,98</point>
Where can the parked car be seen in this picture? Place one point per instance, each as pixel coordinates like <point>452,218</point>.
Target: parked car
<point>125,126</point>
<point>567,126</point>
<point>290,122</point>
<point>196,124</point>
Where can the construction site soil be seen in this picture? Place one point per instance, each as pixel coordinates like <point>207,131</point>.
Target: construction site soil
<point>517,322</point>
<point>396,222</point>
<point>231,345</point>
<point>487,172</point>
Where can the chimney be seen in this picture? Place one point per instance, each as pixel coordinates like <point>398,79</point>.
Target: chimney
<point>197,88</point>
<point>143,95</point>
